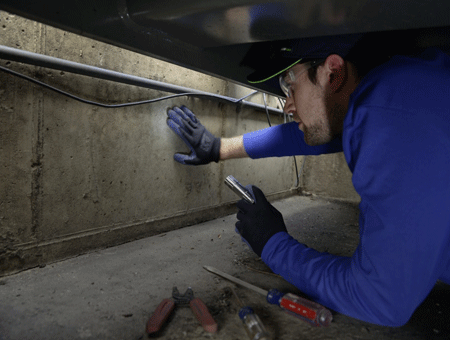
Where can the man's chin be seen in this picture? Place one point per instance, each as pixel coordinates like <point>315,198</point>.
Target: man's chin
<point>314,139</point>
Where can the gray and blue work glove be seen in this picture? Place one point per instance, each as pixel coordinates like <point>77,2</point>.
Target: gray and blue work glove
<point>204,146</point>
<point>258,222</point>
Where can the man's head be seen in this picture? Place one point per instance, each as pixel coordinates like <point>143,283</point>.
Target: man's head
<point>321,93</point>
<point>317,96</point>
<point>314,77</point>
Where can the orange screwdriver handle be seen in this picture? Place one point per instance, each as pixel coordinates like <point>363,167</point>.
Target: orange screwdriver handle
<point>203,316</point>
<point>302,308</point>
<point>160,316</point>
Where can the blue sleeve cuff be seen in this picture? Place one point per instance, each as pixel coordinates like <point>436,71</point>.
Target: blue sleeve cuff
<point>284,140</point>
<point>272,245</point>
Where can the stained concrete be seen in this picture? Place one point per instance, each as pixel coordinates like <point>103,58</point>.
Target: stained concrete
<point>111,293</point>
<point>76,177</point>
<point>329,176</point>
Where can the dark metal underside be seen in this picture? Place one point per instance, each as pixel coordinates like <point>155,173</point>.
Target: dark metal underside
<point>214,36</point>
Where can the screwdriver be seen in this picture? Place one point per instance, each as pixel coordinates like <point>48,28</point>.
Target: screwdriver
<point>254,327</point>
<point>301,308</point>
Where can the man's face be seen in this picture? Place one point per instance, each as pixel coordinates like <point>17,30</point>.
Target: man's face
<point>308,105</point>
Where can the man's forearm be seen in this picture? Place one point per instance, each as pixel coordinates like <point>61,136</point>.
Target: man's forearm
<point>232,148</point>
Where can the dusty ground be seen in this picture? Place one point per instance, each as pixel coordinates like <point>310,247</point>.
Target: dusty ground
<point>110,294</point>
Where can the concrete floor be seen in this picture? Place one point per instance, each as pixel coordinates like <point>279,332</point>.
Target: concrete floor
<point>111,293</point>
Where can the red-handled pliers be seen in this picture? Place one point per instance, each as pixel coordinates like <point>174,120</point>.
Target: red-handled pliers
<point>166,307</point>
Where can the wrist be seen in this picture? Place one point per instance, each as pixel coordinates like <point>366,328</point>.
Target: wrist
<point>232,148</point>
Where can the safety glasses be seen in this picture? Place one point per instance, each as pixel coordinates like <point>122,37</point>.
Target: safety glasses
<point>288,78</point>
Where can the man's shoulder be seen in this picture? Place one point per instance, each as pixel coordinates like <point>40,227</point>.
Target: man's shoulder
<point>406,83</point>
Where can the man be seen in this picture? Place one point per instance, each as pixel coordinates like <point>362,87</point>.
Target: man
<point>393,125</point>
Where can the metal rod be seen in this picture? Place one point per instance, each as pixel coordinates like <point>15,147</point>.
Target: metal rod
<point>14,54</point>
<point>236,280</point>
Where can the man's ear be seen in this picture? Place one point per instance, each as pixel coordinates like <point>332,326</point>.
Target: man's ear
<point>337,72</point>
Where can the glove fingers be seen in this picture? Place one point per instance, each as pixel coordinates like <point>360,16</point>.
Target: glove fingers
<point>189,114</point>
<point>243,207</point>
<point>183,159</point>
<point>258,194</point>
<point>250,188</point>
<point>240,215</point>
<point>175,115</point>
<point>238,230</point>
<point>181,133</point>
<point>188,136</point>
<point>174,126</point>
<point>180,118</point>
<point>182,114</point>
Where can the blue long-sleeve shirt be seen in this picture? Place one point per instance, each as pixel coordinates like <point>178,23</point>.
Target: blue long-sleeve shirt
<point>396,140</point>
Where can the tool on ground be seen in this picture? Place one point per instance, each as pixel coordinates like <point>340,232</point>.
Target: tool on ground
<point>302,308</point>
<point>166,307</point>
<point>239,189</point>
<point>253,325</point>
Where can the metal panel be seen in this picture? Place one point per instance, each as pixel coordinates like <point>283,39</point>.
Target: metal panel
<point>214,36</point>
<point>215,23</point>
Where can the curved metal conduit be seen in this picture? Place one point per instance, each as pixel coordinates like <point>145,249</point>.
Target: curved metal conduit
<point>36,59</point>
<point>31,58</point>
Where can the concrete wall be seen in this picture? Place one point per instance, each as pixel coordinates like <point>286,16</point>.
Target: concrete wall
<point>76,177</point>
<point>328,176</point>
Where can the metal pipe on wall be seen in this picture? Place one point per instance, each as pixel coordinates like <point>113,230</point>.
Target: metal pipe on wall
<point>13,54</point>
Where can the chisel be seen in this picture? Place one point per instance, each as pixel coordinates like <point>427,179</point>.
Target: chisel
<point>302,308</point>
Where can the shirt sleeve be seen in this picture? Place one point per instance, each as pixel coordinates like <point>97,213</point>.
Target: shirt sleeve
<point>284,140</point>
<point>403,179</point>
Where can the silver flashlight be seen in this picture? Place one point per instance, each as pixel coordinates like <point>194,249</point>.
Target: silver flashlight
<point>240,190</point>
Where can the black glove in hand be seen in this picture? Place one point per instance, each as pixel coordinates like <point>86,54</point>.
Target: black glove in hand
<point>258,222</point>
<point>205,147</point>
